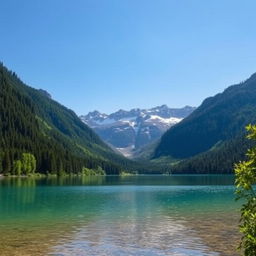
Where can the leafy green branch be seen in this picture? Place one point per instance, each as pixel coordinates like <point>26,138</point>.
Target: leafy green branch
<point>245,182</point>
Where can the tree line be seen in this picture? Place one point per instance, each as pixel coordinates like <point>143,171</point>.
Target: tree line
<point>25,136</point>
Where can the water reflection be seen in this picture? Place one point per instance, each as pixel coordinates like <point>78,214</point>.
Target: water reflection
<point>141,215</point>
<point>147,180</point>
<point>53,181</point>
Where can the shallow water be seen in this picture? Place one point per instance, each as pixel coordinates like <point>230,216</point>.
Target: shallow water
<point>133,215</point>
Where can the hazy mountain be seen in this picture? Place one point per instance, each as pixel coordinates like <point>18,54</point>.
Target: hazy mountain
<point>211,139</point>
<point>129,131</point>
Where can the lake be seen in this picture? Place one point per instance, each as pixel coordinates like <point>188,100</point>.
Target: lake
<point>191,215</point>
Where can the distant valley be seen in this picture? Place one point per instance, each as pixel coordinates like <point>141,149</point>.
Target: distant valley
<point>207,139</point>
<point>130,131</point>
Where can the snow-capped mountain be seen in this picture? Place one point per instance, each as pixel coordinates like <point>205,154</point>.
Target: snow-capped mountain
<point>128,131</point>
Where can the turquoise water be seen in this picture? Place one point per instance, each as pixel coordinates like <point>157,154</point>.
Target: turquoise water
<point>133,215</point>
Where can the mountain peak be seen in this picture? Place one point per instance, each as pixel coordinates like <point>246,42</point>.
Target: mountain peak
<point>129,130</point>
<point>164,106</point>
<point>94,113</point>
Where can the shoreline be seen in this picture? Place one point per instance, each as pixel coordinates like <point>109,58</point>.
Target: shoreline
<point>121,175</point>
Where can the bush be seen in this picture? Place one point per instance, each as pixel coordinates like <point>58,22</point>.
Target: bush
<point>245,180</point>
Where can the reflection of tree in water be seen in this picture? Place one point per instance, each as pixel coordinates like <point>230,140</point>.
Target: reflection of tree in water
<point>56,199</point>
<point>34,217</point>
<point>73,181</point>
<point>16,193</point>
<point>67,209</point>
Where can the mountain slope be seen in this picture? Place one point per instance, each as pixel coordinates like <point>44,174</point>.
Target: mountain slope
<point>31,122</point>
<point>220,159</point>
<point>130,131</point>
<point>216,125</point>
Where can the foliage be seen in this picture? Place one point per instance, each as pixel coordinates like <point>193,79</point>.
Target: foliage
<point>17,167</point>
<point>93,172</point>
<point>28,164</point>
<point>245,181</point>
<point>25,166</point>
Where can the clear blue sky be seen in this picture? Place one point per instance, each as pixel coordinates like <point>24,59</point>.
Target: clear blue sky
<point>112,54</point>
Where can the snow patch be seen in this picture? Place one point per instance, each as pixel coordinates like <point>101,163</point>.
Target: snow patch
<point>170,121</point>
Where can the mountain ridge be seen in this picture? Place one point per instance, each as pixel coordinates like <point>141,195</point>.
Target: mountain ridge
<point>32,122</point>
<point>131,130</point>
<point>216,128</point>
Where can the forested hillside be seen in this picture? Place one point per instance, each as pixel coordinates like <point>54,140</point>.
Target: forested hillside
<point>220,159</point>
<point>212,138</point>
<point>39,134</point>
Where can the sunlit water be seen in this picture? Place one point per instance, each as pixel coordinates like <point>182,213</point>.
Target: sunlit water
<point>122,216</point>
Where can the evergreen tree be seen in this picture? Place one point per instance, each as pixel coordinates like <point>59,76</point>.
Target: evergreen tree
<point>6,163</point>
<point>54,138</point>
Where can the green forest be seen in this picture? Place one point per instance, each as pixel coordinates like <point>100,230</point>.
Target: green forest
<point>40,135</point>
<point>212,138</point>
